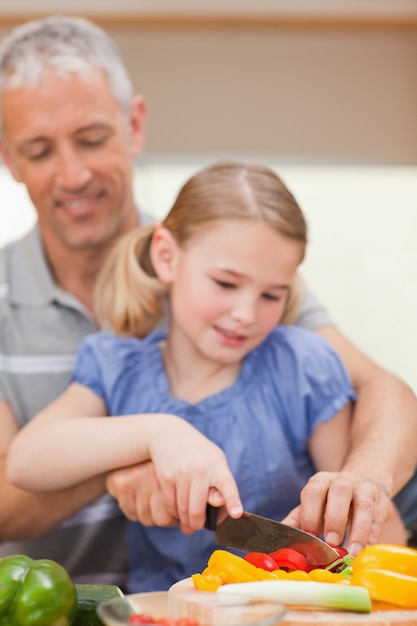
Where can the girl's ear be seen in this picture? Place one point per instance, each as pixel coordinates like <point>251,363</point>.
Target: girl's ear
<point>164,254</point>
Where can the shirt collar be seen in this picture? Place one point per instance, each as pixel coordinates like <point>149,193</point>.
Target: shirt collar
<point>37,287</point>
<point>31,281</point>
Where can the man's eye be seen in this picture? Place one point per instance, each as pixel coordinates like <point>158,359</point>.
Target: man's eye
<point>94,139</point>
<point>92,143</point>
<point>37,155</point>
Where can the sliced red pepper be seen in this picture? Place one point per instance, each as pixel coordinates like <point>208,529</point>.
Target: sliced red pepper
<point>335,565</point>
<point>290,559</point>
<point>262,560</point>
<point>141,618</point>
<point>340,551</point>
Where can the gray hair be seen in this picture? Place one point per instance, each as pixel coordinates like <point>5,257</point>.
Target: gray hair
<point>68,45</point>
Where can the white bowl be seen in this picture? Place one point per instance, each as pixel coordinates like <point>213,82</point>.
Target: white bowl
<point>204,607</point>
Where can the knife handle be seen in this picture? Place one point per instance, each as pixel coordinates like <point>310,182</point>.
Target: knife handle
<point>211,517</point>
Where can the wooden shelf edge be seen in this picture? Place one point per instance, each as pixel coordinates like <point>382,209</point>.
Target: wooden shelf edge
<point>175,21</point>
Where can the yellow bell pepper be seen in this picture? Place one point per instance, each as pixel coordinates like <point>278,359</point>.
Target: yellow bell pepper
<point>389,572</point>
<point>325,576</point>
<point>386,586</point>
<point>206,582</point>
<point>224,568</point>
<point>388,556</point>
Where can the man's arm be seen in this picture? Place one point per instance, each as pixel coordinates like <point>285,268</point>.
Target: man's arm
<point>26,515</point>
<point>384,429</point>
<point>381,458</point>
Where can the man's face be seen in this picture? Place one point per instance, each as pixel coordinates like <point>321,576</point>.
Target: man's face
<point>70,143</point>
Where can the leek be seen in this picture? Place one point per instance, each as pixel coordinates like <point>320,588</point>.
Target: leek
<point>301,593</point>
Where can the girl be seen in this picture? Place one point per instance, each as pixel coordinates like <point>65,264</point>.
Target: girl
<point>275,400</point>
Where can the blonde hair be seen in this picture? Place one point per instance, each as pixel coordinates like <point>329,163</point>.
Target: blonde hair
<point>129,296</point>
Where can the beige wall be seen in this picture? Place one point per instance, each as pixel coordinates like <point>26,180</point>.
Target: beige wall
<point>308,96</point>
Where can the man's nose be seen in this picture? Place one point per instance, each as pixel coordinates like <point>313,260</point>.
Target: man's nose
<point>72,171</point>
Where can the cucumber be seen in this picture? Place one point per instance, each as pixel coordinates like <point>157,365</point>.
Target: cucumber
<point>89,597</point>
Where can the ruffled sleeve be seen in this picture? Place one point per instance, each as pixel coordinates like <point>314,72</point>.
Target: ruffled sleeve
<point>310,380</point>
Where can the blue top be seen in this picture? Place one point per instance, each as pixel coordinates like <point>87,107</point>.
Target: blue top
<point>287,386</point>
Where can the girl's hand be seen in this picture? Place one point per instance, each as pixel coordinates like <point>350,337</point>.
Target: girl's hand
<point>140,497</point>
<point>191,471</point>
<point>187,471</point>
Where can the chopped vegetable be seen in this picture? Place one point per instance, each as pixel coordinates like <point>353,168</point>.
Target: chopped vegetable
<point>339,549</point>
<point>326,576</point>
<point>140,618</point>
<point>300,593</point>
<point>385,572</point>
<point>226,568</point>
<point>290,559</point>
<point>343,565</point>
<point>145,618</point>
<point>261,559</point>
<point>231,568</point>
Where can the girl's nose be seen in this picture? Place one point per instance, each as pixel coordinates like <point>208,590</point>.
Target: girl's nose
<point>244,310</point>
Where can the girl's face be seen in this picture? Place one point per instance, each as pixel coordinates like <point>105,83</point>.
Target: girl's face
<point>229,287</point>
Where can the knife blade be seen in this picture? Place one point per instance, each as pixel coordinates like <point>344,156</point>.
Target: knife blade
<point>254,533</point>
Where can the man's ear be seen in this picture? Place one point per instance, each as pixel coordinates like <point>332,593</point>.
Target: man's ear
<point>137,125</point>
<point>8,161</point>
<point>164,255</point>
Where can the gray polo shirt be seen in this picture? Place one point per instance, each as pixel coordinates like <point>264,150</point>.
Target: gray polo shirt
<point>311,312</point>
<point>40,328</point>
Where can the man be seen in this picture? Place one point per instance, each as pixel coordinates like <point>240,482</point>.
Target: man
<point>70,130</point>
<point>72,143</point>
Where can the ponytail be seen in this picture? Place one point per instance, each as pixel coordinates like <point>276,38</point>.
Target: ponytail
<point>129,297</point>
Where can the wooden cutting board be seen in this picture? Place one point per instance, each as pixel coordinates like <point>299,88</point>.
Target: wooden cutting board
<point>183,594</point>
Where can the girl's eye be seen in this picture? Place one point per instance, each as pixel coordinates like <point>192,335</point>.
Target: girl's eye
<point>271,296</point>
<point>224,284</point>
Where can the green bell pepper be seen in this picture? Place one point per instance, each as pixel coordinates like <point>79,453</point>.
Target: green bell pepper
<point>35,593</point>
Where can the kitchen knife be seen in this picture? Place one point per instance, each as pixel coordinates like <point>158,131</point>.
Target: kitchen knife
<point>253,533</point>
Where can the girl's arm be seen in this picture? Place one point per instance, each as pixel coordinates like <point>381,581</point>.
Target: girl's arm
<point>70,441</point>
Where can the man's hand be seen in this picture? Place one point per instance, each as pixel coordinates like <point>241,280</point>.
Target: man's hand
<point>141,499</point>
<point>139,495</point>
<point>353,508</point>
